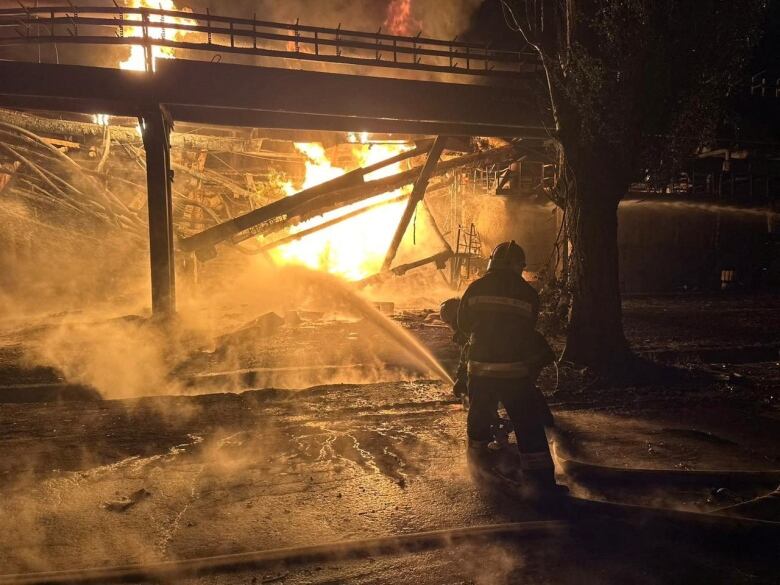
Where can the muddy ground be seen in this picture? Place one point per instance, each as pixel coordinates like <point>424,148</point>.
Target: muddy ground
<point>86,480</point>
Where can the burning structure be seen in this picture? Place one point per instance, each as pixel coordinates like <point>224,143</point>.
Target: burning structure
<point>277,189</point>
<point>243,187</point>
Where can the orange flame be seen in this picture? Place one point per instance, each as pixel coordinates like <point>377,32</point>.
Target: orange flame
<point>356,247</point>
<point>399,19</point>
<point>137,60</point>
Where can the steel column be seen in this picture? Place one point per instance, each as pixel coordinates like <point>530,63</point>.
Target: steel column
<point>159,176</point>
<point>417,194</point>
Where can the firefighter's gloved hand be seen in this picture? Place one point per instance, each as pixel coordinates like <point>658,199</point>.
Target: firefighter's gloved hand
<point>460,388</point>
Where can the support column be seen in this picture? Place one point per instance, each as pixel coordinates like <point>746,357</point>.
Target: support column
<point>420,185</point>
<point>159,176</point>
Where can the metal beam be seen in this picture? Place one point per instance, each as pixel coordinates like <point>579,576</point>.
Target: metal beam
<point>243,95</point>
<point>352,102</point>
<point>329,223</point>
<point>156,136</point>
<point>292,210</point>
<point>280,210</point>
<point>417,194</point>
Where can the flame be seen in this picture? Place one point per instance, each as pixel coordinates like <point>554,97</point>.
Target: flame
<point>356,247</point>
<point>399,20</point>
<point>137,60</point>
<point>101,119</point>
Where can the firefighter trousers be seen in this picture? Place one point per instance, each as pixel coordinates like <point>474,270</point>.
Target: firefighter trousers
<point>527,413</point>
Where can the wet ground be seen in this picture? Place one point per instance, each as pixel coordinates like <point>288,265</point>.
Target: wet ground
<point>93,482</point>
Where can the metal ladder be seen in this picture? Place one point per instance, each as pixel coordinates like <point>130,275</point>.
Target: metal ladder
<point>468,260</point>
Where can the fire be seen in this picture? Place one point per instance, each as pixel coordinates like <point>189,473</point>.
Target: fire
<point>356,247</point>
<point>399,19</point>
<point>137,60</point>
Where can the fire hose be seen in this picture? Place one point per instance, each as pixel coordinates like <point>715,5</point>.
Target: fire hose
<point>292,555</point>
<point>577,468</point>
<point>418,541</point>
<point>726,522</point>
<point>718,523</point>
<point>368,547</point>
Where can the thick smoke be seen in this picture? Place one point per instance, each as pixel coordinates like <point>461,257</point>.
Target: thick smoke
<point>437,19</point>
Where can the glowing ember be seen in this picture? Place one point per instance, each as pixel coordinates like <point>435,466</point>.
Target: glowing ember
<point>399,19</point>
<point>356,247</point>
<point>137,60</point>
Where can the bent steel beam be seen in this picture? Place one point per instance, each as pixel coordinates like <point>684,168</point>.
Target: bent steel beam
<point>417,194</point>
<point>281,208</point>
<point>292,210</point>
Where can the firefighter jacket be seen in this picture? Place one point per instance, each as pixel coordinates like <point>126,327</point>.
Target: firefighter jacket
<point>498,313</point>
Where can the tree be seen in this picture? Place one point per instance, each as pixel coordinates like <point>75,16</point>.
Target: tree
<point>628,81</point>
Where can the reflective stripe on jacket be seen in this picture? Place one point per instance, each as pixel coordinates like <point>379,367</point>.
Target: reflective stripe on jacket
<point>498,369</point>
<point>498,313</point>
<point>501,305</point>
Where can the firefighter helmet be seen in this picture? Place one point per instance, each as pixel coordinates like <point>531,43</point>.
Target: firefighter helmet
<point>448,311</point>
<point>507,255</point>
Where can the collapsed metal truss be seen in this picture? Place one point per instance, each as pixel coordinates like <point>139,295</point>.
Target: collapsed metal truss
<point>342,191</point>
<point>264,97</point>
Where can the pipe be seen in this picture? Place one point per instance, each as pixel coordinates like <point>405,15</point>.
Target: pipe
<point>290,555</point>
<point>723,477</point>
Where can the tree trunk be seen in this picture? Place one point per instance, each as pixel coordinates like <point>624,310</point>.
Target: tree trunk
<point>595,336</point>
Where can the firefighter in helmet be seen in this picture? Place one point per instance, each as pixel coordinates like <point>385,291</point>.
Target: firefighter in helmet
<point>498,313</point>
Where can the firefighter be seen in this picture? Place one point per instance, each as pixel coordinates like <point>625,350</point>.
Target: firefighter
<point>498,313</point>
<point>543,356</point>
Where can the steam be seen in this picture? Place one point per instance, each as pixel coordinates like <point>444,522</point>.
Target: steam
<point>748,212</point>
<point>121,358</point>
<point>136,356</point>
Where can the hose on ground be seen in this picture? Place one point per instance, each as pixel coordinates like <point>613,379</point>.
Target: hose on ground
<point>293,555</point>
<point>604,473</point>
<point>722,522</point>
<point>646,517</point>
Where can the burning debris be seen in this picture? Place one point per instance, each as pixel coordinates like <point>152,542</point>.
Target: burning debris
<point>354,191</point>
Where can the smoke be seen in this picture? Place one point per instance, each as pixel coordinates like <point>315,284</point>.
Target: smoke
<point>421,288</point>
<point>433,18</point>
<point>533,226</point>
<point>120,358</point>
<point>302,288</point>
<point>437,19</point>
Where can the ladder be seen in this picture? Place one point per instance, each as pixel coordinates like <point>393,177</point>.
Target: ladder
<point>468,262</point>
